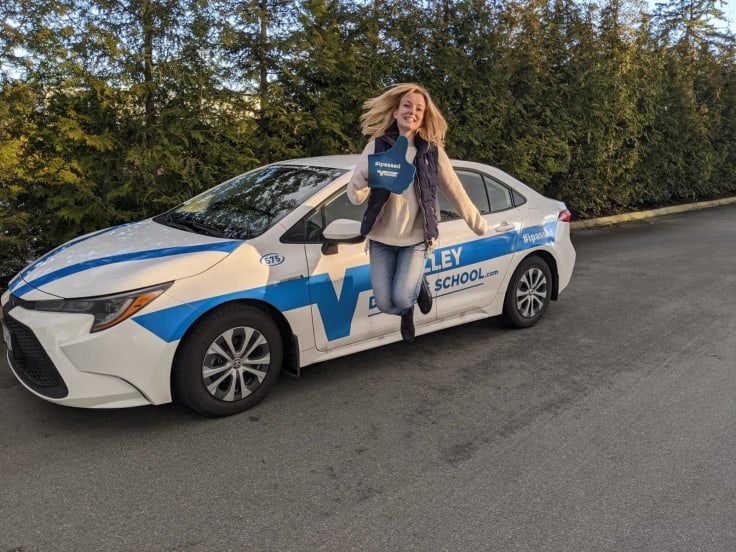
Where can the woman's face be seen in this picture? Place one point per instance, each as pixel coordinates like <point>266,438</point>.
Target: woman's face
<point>410,113</point>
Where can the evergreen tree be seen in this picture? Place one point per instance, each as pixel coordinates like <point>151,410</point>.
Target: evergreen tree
<point>722,106</point>
<point>603,106</point>
<point>112,110</point>
<point>131,113</point>
<point>17,102</point>
<point>455,55</point>
<point>681,156</point>
<point>255,38</point>
<point>533,127</point>
<point>319,78</point>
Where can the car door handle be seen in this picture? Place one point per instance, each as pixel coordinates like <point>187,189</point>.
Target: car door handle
<point>504,227</point>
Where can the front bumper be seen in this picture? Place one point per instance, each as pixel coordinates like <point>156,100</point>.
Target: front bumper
<point>55,357</point>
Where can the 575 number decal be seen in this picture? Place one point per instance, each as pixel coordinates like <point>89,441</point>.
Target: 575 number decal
<point>272,259</point>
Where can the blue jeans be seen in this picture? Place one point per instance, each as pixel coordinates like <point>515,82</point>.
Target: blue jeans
<point>396,275</point>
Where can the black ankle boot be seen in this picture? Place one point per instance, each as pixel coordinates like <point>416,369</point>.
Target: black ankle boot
<point>407,325</point>
<point>425,297</point>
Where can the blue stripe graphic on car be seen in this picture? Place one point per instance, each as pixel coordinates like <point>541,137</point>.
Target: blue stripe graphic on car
<point>336,312</point>
<point>15,282</point>
<point>225,246</point>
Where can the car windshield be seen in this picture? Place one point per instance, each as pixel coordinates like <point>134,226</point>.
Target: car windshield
<point>249,204</point>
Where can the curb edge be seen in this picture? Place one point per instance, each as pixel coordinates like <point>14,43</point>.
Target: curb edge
<point>642,215</point>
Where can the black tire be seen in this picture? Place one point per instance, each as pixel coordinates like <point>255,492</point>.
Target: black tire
<point>528,293</point>
<point>211,372</point>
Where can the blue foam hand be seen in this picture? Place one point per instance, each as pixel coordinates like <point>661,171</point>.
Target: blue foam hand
<point>390,170</point>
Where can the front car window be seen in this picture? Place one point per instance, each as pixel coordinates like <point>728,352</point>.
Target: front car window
<point>309,229</point>
<point>248,205</point>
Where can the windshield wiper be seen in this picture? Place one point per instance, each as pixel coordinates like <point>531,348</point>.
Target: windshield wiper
<point>193,226</point>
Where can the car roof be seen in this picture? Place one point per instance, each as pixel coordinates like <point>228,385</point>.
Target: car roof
<point>348,162</point>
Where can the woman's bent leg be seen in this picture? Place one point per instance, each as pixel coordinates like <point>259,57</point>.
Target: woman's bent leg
<point>383,271</point>
<point>410,264</point>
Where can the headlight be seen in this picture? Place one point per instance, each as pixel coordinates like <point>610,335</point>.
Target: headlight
<point>108,310</point>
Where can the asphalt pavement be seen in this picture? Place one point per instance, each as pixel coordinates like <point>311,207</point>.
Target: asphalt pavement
<point>609,426</point>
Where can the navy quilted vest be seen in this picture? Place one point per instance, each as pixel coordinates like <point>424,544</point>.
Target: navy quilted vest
<point>425,185</point>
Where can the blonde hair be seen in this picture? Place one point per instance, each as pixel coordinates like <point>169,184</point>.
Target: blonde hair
<point>379,114</point>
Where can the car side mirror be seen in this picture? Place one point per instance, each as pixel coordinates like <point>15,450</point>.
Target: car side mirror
<point>340,231</point>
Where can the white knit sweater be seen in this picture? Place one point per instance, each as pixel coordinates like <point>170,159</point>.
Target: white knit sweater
<point>400,222</point>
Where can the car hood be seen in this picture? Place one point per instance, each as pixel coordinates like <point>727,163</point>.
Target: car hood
<point>119,259</point>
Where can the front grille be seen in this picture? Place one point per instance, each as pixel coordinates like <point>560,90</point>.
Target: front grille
<point>31,363</point>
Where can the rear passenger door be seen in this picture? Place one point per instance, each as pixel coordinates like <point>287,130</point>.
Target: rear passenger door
<point>466,271</point>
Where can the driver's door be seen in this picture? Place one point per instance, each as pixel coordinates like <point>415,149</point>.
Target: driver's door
<point>343,307</point>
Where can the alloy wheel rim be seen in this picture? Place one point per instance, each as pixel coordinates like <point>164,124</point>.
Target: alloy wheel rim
<point>236,363</point>
<point>531,293</point>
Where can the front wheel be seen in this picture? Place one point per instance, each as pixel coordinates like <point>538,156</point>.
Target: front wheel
<point>528,293</point>
<point>228,361</point>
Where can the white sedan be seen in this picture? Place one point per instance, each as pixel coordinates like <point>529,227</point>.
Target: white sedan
<point>208,302</point>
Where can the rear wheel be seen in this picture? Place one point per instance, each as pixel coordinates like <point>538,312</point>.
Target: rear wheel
<point>228,361</point>
<point>528,293</point>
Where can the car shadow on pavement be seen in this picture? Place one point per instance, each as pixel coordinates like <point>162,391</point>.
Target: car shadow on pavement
<point>318,379</point>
